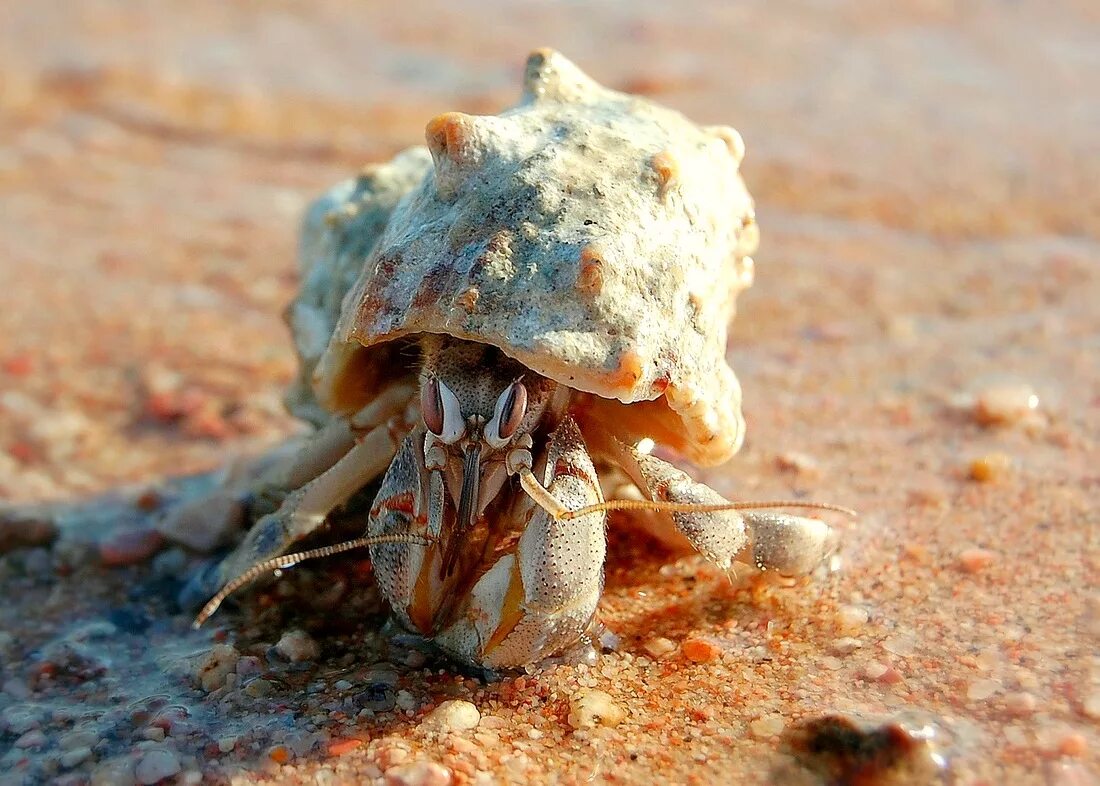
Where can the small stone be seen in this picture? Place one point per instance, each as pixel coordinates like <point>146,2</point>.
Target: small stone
<point>75,756</point>
<point>130,547</point>
<point>589,708</point>
<point>342,685</point>
<point>851,617</point>
<point>797,463</point>
<point>156,765</point>
<point>846,645</point>
<point>226,744</point>
<point>1005,404</point>
<point>32,739</point>
<point>881,672</point>
<point>405,700</point>
<point>1073,743</point>
<point>258,688</point>
<point>297,646</point>
<point>904,645</point>
<point>980,690</point>
<point>976,560</point>
<point>767,726</point>
<point>700,650</point>
<point>211,672</point>
<point>1021,704</point>
<point>78,738</point>
<point>20,718</point>
<point>1091,706</point>
<point>455,715</point>
<point>659,646</point>
<point>249,666</point>
<point>17,688</point>
<point>154,733</point>
<point>418,773</point>
<point>990,467</point>
<point>342,747</point>
<point>280,754</point>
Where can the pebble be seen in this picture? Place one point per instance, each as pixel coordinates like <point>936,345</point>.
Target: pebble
<point>1090,706</point>
<point>1021,703</point>
<point>297,646</point>
<point>659,646</point>
<point>846,645</point>
<point>342,685</point>
<point>852,617</point>
<point>980,690</point>
<point>156,765</point>
<point>20,718</point>
<point>1074,744</point>
<point>211,672</point>
<point>75,756</point>
<point>976,560</point>
<point>454,715</point>
<point>130,547</point>
<point>798,463</point>
<point>766,726</point>
<point>700,651</point>
<point>226,744</point>
<point>405,700</point>
<point>17,688</point>
<point>418,773</point>
<point>589,708</point>
<point>1005,404</point>
<point>990,467</point>
<point>78,738</point>
<point>881,672</point>
<point>32,739</point>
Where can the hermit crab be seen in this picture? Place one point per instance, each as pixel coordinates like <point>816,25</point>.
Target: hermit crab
<point>495,323</point>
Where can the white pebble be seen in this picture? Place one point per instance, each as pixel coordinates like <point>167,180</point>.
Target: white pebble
<point>156,765</point>
<point>212,670</point>
<point>659,646</point>
<point>846,645</point>
<point>852,617</point>
<point>1021,703</point>
<point>454,715</point>
<point>1005,403</point>
<point>75,756</point>
<point>405,700</point>
<point>418,773</point>
<point>980,690</point>
<point>32,739</point>
<point>766,726</point>
<point>589,708</point>
<point>298,646</point>
<point>1091,705</point>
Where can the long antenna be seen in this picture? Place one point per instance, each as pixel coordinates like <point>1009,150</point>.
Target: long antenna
<point>290,560</point>
<point>545,500</point>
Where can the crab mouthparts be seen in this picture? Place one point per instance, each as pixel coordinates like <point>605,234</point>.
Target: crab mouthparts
<point>467,502</point>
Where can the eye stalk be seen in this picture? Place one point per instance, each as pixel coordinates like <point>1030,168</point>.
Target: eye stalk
<point>508,414</point>
<point>441,411</point>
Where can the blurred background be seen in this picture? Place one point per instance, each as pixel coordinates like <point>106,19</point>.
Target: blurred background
<point>155,157</point>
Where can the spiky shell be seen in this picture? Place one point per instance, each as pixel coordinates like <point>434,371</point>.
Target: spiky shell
<point>596,237</point>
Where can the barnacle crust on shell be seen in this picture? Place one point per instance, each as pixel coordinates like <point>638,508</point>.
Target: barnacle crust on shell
<point>596,237</point>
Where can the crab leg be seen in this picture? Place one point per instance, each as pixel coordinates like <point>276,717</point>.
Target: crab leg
<point>790,545</point>
<point>306,508</point>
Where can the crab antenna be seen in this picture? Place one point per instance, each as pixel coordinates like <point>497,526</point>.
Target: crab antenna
<point>700,507</point>
<point>289,561</point>
<point>546,501</point>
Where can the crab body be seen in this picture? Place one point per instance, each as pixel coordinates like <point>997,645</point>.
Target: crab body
<point>486,320</point>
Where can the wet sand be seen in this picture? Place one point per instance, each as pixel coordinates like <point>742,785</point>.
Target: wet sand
<point>925,178</point>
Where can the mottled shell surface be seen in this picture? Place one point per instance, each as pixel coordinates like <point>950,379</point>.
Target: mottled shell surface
<point>596,237</point>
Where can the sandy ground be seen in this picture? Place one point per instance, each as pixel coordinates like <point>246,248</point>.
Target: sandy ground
<point>921,345</point>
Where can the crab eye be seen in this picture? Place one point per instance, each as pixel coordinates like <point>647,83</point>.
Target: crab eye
<point>441,411</point>
<point>509,412</point>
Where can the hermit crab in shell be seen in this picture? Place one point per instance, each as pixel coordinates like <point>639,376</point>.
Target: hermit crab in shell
<point>493,324</point>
